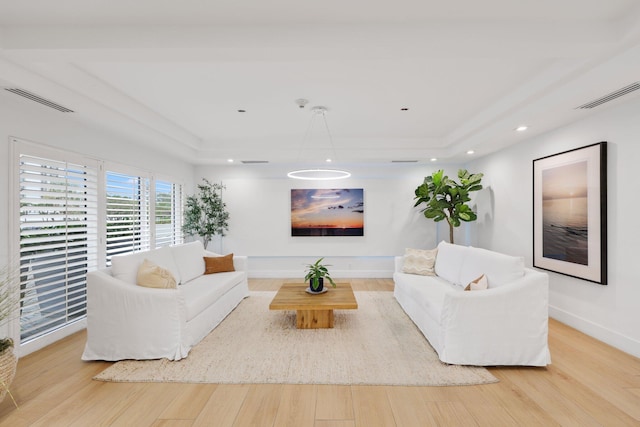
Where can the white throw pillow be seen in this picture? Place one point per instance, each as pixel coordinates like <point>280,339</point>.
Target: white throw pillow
<point>479,284</point>
<point>449,262</point>
<point>419,261</point>
<point>499,268</point>
<point>125,267</point>
<point>164,258</point>
<point>189,259</point>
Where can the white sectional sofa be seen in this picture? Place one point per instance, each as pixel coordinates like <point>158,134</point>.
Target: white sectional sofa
<point>506,324</point>
<point>127,321</point>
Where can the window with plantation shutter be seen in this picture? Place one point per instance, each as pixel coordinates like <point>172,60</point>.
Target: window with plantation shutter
<point>168,213</point>
<point>128,227</point>
<point>58,241</point>
<point>70,215</point>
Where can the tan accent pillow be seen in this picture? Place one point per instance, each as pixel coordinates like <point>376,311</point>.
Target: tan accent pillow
<point>151,275</point>
<point>479,284</point>
<point>218,264</point>
<point>419,261</point>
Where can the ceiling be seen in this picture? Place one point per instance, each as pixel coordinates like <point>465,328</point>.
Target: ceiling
<point>174,75</point>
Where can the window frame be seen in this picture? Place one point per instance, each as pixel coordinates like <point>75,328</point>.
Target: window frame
<point>20,148</point>
<point>153,179</point>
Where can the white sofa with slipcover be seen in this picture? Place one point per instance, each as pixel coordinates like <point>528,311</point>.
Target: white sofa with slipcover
<point>505,324</point>
<point>127,321</point>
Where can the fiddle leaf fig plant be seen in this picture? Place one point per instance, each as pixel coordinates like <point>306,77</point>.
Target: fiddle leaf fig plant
<point>446,199</point>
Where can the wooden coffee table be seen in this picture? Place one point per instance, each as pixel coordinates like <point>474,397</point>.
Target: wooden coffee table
<point>314,311</point>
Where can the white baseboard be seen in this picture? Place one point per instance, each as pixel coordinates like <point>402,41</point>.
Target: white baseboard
<point>50,338</point>
<point>599,332</point>
<point>346,274</point>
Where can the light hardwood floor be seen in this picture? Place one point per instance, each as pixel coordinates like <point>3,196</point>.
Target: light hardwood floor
<point>588,384</point>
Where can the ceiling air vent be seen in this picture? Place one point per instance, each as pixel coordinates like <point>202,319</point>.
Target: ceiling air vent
<point>254,162</point>
<point>404,161</point>
<point>610,97</point>
<point>39,99</point>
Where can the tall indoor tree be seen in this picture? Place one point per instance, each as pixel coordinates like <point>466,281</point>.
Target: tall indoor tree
<point>447,199</point>
<point>205,213</point>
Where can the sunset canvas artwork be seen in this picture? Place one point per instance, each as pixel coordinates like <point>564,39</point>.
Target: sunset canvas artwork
<point>327,212</point>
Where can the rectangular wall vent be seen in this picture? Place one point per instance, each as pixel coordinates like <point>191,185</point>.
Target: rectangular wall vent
<point>610,97</point>
<point>254,162</point>
<point>38,99</point>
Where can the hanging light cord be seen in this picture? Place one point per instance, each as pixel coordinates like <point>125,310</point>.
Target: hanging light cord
<point>333,148</point>
<point>308,132</point>
<point>319,174</point>
<point>304,139</point>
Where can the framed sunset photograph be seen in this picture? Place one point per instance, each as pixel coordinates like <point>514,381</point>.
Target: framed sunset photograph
<point>570,213</point>
<point>327,212</point>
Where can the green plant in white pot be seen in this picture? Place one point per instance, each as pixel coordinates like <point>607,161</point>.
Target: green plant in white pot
<point>316,273</point>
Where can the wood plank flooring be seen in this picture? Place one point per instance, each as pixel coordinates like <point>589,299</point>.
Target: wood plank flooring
<point>588,384</point>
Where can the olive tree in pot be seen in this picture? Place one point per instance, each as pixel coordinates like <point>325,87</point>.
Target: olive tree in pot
<point>447,199</point>
<point>205,213</point>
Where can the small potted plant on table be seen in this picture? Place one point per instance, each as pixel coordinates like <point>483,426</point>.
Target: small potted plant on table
<point>316,273</point>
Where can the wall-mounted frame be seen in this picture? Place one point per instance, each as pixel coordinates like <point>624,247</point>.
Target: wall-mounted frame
<point>570,213</point>
<point>327,212</point>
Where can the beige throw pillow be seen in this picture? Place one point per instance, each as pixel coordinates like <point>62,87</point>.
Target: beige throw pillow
<point>218,264</point>
<point>479,284</point>
<point>151,275</point>
<point>419,261</point>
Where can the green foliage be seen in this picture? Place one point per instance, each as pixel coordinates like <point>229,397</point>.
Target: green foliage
<point>5,343</point>
<point>205,213</point>
<point>9,309</point>
<point>446,199</point>
<point>9,299</point>
<point>316,271</point>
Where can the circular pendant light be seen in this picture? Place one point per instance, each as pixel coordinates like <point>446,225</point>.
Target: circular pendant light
<point>319,174</point>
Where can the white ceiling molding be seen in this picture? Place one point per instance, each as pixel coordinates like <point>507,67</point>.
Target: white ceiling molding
<point>176,76</point>
<point>453,39</point>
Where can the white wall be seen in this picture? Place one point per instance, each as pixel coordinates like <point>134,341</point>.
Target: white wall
<point>29,121</point>
<point>610,313</point>
<point>258,200</point>
<point>33,122</point>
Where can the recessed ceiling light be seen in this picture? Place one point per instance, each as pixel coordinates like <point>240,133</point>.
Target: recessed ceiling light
<point>230,160</point>
<point>328,160</point>
<point>522,128</point>
<point>470,152</point>
<point>433,159</point>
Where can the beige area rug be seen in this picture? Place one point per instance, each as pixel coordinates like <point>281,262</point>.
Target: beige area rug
<point>377,344</point>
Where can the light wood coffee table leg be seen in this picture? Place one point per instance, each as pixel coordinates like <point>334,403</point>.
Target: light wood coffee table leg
<point>314,319</point>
